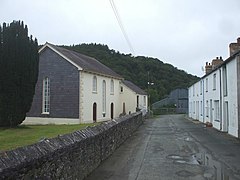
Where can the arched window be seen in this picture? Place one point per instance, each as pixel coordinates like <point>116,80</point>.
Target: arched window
<point>94,85</point>
<point>46,96</point>
<point>104,97</point>
<point>112,87</point>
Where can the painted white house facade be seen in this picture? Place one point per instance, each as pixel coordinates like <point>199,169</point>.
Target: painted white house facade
<point>215,98</point>
<point>133,98</point>
<point>73,88</point>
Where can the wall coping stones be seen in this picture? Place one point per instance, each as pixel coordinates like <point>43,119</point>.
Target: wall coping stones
<point>72,155</point>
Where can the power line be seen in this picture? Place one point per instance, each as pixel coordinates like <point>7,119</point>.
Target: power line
<point>114,8</point>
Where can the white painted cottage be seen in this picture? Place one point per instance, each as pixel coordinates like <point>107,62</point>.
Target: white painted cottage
<point>134,98</point>
<point>73,88</point>
<point>215,97</point>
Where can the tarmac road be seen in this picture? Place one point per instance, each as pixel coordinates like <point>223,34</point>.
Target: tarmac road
<point>173,147</point>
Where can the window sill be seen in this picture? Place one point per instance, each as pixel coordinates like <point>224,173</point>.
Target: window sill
<point>45,113</point>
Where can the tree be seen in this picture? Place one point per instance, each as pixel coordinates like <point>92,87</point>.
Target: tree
<point>164,76</point>
<point>18,72</point>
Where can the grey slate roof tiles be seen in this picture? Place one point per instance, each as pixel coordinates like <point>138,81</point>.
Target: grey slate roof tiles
<point>87,63</point>
<point>134,87</point>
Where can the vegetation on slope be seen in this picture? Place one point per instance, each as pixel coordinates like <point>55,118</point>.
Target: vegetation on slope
<point>164,76</point>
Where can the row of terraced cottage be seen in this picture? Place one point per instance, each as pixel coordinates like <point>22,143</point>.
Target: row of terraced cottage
<point>73,88</point>
<point>215,98</point>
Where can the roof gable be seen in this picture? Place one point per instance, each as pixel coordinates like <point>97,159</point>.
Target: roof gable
<point>134,87</point>
<point>82,62</point>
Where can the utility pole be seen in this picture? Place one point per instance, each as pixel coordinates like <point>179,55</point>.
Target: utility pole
<point>148,84</point>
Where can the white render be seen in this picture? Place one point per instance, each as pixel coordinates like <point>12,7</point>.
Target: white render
<point>44,121</point>
<point>129,97</point>
<point>218,105</point>
<point>88,97</point>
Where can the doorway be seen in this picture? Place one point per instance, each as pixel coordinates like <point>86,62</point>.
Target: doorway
<point>112,110</point>
<point>211,111</point>
<point>226,117</point>
<point>94,112</point>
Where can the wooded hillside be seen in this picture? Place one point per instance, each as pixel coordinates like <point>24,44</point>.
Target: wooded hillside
<point>164,76</point>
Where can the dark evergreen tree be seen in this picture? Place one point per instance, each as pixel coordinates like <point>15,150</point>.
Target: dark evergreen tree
<point>18,72</point>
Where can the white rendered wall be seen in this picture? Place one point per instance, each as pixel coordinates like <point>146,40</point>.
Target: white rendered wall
<point>129,98</point>
<point>232,97</point>
<point>88,97</point>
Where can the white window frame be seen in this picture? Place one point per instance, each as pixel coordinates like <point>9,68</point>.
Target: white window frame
<point>207,109</point>
<point>112,87</point>
<point>214,81</point>
<point>225,92</point>
<point>94,84</point>
<point>104,98</point>
<point>46,96</point>
<point>206,84</point>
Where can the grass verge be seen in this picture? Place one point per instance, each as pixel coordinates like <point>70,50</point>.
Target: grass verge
<point>11,138</point>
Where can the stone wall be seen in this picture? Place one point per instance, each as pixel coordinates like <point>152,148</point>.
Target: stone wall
<point>70,156</point>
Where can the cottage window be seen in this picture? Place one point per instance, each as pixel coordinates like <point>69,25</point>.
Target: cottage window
<point>207,109</point>
<point>121,89</point>
<point>225,93</point>
<point>144,100</point>
<point>214,81</point>
<point>217,110</point>
<point>207,85</point>
<point>201,86</point>
<point>104,97</point>
<point>201,108</point>
<point>94,85</point>
<point>193,90</point>
<point>112,87</point>
<point>46,96</point>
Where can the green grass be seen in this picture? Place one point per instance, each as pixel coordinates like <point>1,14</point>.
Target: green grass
<point>11,138</point>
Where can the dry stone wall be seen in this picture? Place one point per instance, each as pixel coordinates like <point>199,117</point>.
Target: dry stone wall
<point>70,156</point>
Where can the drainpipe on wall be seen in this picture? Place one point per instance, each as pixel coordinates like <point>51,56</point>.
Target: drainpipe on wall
<point>238,90</point>
<point>220,108</point>
<point>203,104</point>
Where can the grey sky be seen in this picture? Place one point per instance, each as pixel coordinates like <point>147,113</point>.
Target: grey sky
<point>184,33</point>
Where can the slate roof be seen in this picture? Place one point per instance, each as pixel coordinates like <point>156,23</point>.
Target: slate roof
<point>86,63</point>
<point>134,87</point>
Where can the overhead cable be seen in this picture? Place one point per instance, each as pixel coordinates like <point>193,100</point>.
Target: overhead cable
<point>114,8</point>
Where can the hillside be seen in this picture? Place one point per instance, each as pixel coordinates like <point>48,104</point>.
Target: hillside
<point>164,76</point>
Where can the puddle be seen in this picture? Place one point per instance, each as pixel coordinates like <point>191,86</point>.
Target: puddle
<point>218,169</point>
<point>215,169</point>
<point>183,159</point>
<point>189,139</point>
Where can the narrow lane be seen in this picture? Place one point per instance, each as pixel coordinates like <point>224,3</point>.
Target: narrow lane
<point>172,147</point>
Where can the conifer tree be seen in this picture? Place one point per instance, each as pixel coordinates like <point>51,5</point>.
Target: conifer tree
<point>18,72</point>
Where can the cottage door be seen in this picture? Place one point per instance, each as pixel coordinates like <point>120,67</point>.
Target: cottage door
<point>94,112</point>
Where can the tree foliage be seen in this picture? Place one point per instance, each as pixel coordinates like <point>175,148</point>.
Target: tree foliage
<point>164,76</point>
<point>18,72</point>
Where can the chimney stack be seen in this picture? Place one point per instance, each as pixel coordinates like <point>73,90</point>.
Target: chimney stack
<point>208,68</point>
<point>234,47</point>
<point>216,62</point>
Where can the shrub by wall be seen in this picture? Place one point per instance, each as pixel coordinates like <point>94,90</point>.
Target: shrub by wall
<point>70,156</point>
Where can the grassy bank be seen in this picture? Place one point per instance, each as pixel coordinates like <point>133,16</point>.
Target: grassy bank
<point>11,138</point>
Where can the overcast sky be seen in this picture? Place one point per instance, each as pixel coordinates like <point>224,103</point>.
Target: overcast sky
<point>184,33</point>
